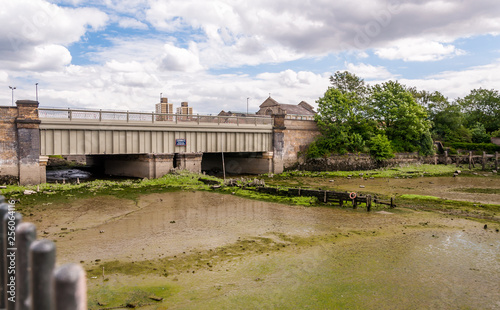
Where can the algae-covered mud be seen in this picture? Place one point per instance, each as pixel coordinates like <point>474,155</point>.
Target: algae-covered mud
<point>174,243</point>
<point>202,250</point>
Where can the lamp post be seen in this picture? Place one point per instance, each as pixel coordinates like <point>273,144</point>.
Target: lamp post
<point>247,105</point>
<point>36,87</point>
<point>12,94</point>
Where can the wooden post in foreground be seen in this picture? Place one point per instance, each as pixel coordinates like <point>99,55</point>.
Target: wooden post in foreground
<point>42,259</point>
<point>70,288</point>
<point>368,203</point>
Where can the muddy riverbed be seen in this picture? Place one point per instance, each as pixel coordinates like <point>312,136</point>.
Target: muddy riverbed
<point>214,251</point>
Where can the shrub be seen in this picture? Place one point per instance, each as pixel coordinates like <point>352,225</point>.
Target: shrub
<point>380,147</point>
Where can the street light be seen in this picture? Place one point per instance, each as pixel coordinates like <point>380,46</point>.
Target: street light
<point>12,94</point>
<point>36,85</point>
<point>247,105</point>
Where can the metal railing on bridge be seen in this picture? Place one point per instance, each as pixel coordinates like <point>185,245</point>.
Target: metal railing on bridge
<point>128,116</point>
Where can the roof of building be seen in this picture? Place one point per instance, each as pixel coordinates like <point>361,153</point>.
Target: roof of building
<point>303,108</point>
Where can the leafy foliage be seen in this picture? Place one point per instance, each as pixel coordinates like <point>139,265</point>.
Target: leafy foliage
<point>380,147</point>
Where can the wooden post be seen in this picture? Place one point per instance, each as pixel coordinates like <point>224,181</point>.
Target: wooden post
<point>43,259</point>
<point>25,235</point>
<point>10,221</point>
<point>70,288</point>
<point>392,202</point>
<point>4,208</point>
<point>484,160</point>
<point>446,157</point>
<point>355,203</point>
<point>496,161</point>
<point>368,203</point>
<point>324,198</point>
<point>470,160</point>
<point>458,161</point>
<point>435,159</point>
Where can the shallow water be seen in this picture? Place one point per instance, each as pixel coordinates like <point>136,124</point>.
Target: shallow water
<point>400,259</point>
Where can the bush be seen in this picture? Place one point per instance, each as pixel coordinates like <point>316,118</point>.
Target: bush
<point>495,134</point>
<point>380,147</point>
<point>479,134</point>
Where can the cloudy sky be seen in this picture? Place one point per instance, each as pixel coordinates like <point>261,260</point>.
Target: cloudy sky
<point>121,54</point>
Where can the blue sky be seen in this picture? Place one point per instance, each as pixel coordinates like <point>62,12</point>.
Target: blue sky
<point>214,54</point>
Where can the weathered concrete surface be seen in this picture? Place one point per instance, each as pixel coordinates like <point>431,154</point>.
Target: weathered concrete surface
<point>20,144</point>
<point>140,166</point>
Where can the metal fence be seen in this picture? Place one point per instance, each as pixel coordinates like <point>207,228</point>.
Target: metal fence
<point>128,116</point>
<point>28,277</point>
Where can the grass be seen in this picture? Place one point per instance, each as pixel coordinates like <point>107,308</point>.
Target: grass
<point>389,172</point>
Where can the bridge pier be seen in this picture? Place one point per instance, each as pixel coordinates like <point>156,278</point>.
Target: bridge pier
<point>139,165</point>
<point>189,161</point>
<point>20,160</point>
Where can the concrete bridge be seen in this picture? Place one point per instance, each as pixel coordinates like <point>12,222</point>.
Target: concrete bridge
<point>146,144</point>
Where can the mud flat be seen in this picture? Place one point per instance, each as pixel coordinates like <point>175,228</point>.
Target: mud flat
<point>202,250</point>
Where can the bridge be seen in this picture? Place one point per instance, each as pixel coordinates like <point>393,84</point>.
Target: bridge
<point>142,144</point>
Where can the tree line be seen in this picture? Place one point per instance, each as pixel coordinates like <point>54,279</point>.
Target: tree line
<point>391,117</point>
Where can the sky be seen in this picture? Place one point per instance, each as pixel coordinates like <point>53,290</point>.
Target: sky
<point>214,54</point>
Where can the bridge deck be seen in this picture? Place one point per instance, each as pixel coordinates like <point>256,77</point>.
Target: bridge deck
<point>68,132</point>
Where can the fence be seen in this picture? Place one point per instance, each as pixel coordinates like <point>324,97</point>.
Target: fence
<point>486,160</point>
<point>127,116</point>
<point>28,277</point>
<point>325,196</point>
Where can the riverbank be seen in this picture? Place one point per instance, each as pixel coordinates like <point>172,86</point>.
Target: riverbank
<point>176,243</point>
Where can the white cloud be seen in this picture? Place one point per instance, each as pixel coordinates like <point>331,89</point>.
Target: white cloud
<point>126,22</point>
<point>418,50</point>
<point>4,76</point>
<point>47,57</point>
<point>369,72</point>
<point>180,59</point>
<point>31,28</point>
<point>455,84</point>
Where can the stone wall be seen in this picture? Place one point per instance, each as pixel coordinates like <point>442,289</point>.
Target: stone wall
<point>20,144</point>
<point>8,145</point>
<point>298,135</point>
<point>351,162</point>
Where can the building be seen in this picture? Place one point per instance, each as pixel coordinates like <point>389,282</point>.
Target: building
<point>164,108</point>
<point>185,109</point>
<point>271,106</point>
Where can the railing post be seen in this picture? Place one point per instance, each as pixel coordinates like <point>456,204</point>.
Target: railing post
<point>237,120</point>
<point>484,160</point>
<point>4,208</point>
<point>25,235</point>
<point>152,117</point>
<point>10,221</point>
<point>42,258</point>
<point>198,115</point>
<point>70,288</point>
<point>70,114</point>
<point>100,115</point>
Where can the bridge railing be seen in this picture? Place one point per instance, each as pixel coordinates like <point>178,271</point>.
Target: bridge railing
<point>128,116</point>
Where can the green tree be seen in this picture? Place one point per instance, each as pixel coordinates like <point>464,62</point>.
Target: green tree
<point>404,120</point>
<point>341,115</point>
<point>481,106</point>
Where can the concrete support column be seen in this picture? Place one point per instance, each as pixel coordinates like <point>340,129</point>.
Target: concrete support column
<point>28,142</point>
<point>163,164</point>
<point>139,165</point>
<point>189,161</point>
